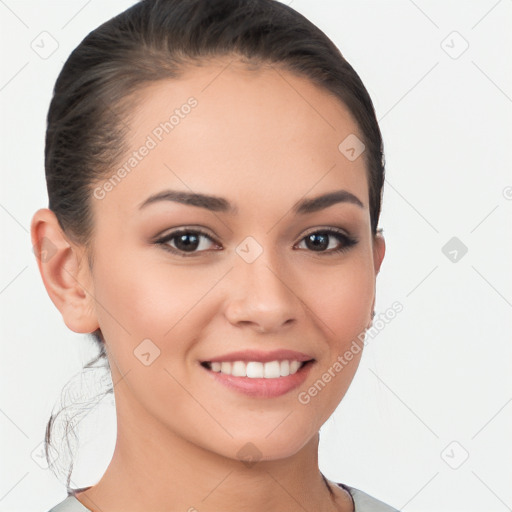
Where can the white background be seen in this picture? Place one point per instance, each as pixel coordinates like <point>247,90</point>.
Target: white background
<point>438,375</point>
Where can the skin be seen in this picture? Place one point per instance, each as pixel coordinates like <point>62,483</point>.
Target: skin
<point>263,140</point>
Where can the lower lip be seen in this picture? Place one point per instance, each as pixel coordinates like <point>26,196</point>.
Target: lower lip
<point>263,388</point>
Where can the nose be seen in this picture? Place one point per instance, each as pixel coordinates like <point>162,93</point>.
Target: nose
<point>262,297</point>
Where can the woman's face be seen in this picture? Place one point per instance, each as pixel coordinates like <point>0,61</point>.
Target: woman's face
<point>255,278</point>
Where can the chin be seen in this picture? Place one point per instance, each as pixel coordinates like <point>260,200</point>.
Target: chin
<point>264,447</point>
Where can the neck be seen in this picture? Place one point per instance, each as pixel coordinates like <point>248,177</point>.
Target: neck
<point>156,469</point>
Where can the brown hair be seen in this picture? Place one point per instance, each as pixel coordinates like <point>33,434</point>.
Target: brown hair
<point>158,39</point>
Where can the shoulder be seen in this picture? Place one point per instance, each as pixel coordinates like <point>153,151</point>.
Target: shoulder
<point>70,504</point>
<point>365,503</point>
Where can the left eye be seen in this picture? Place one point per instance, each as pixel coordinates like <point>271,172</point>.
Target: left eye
<point>319,241</point>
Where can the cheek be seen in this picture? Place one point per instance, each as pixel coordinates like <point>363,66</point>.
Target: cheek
<point>147,317</point>
<point>341,300</point>
<point>340,303</point>
<point>156,302</point>
<point>145,299</point>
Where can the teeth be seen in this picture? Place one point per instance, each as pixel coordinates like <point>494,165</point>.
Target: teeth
<point>257,370</point>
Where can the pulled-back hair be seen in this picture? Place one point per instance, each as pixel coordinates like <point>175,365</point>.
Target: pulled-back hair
<point>159,40</point>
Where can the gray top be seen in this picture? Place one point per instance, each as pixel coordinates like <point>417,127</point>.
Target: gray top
<point>363,503</point>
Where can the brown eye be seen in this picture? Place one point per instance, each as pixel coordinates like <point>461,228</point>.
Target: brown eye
<point>186,241</point>
<point>321,240</point>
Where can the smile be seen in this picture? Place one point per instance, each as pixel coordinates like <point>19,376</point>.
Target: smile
<point>256,369</point>
<point>257,379</point>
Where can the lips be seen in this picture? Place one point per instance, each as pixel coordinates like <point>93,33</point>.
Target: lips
<point>261,387</point>
<point>275,382</point>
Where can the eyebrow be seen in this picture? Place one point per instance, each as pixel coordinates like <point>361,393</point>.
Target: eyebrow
<point>219,204</point>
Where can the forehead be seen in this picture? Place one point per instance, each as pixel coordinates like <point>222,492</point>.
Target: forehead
<point>252,134</point>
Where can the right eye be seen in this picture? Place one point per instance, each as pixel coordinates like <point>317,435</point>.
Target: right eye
<point>185,241</point>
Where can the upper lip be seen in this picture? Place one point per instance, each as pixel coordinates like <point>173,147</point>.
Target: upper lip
<point>262,357</point>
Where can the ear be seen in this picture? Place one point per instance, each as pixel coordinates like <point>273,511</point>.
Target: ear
<point>65,272</point>
<point>379,249</point>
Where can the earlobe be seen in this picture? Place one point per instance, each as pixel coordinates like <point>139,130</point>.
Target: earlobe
<point>63,268</point>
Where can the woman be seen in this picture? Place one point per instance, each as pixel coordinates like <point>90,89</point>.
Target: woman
<point>215,173</point>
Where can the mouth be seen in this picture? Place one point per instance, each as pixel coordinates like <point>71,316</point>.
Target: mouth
<point>257,369</point>
<point>257,379</point>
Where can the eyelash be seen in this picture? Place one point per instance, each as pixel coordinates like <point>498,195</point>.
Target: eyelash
<point>347,240</point>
